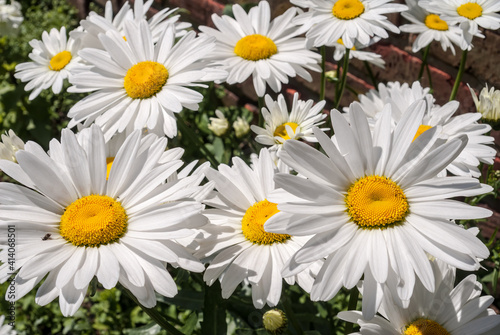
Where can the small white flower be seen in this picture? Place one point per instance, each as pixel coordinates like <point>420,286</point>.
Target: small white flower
<point>241,127</point>
<point>488,103</point>
<point>350,20</point>
<point>251,45</point>
<point>449,310</point>
<point>53,59</point>
<point>95,24</point>
<point>357,53</point>
<point>10,144</point>
<point>6,329</point>
<point>10,17</point>
<point>430,27</point>
<point>469,14</point>
<point>218,125</point>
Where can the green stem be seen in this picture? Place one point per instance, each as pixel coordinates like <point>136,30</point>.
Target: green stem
<point>155,315</point>
<point>353,303</point>
<point>290,315</point>
<point>196,141</point>
<point>430,78</point>
<point>214,311</point>
<point>343,81</point>
<point>323,74</point>
<point>424,62</point>
<point>459,75</point>
<point>370,73</point>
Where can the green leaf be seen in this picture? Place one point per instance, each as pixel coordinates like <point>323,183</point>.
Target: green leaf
<point>150,329</point>
<point>190,324</point>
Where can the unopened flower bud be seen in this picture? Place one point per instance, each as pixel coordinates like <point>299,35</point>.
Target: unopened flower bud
<point>218,125</point>
<point>241,127</point>
<point>275,321</point>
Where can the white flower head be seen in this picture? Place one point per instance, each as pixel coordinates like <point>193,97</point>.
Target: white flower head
<point>327,21</point>
<point>6,329</point>
<point>235,243</point>
<point>95,24</point>
<point>357,53</point>
<point>53,58</point>
<point>10,17</point>
<point>241,127</point>
<point>430,27</point>
<point>10,144</point>
<point>73,223</point>
<point>400,96</point>
<point>139,84</point>
<point>282,124</point>
<point>449,310</point>
<point>488,103</point>
<point>469,14</point>
<point>218,125</point>
<point>268,51</point>
<point>375,206</point>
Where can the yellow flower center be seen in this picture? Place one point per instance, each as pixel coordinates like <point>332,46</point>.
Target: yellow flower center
<point>93,221</point>
<point>59,61</point>
<point>433,21</point>
<point>421,129</point>
<point>109,163</point>
<point>348,9</point>
<point>255,47</point>
<point>339,41</point>
<point>281,130</point>
<point>145,79</point>
<point>425,327</point>
<point>376,202</point>
<point>470,10</point>
<point>253,221</point>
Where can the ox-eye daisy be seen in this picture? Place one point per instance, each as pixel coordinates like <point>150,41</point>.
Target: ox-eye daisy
<point>235,235</point>
<point>450,310</point>
<point>73,223</point>
<point>253,45</point>
<point>95,24</point>
<point>375,205</point>
<point>350,20</point>
<point>282,125</point>
<point>140,84</point>
<point>430,27</point>
<point>401,96</point>
<point>469,14</point>
<point>52,60</point>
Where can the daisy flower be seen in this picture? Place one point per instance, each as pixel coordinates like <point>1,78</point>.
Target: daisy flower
<point>488,104</point>
<point>401,96</point>
<point>95,24</point>
<point>356,53</point>
<point>53,58</point>
<point>235,235</point>
<point>73,223</point>
<point>218,125</point>
<point>374,204</point>
<point>351,20</point>
<point>450,310</point>
<point>253,45</point>
<point>10,17</point>
<point>10,144</point>
<point>469,14</point>
<point>280,125</point>
<point>430,27</point>
<point>139,84</point>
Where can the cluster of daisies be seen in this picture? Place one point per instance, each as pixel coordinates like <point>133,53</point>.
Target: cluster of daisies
<point>374,208</point>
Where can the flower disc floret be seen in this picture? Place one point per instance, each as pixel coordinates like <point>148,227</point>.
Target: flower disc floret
<point>376,202</point>
<point>145,79</point>
<point>255,47</point>
<point>253,221</point>
<point>433,21</point>
<point>59,61</point>
<point>281,130</point>
<point>93,221</point>
<point>348,9</point>
<point>470,10</point>
<point>421,129</point>
<point>425,327</point>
